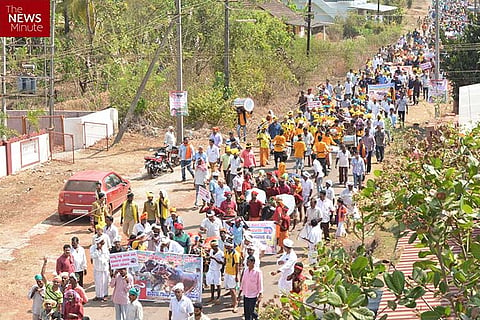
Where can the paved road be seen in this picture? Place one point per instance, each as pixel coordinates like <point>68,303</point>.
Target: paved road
<point>182,196</point>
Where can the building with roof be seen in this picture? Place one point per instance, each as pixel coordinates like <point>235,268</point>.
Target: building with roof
<point>294,20</point>
<point>373,9</point>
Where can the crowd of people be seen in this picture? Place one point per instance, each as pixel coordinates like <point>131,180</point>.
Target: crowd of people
<point>340,125</point>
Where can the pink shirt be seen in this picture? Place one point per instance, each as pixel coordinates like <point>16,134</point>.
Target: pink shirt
<point>252,283</point>
<point>248,158</point>
<point>121,287</point>
<point>65,264</point>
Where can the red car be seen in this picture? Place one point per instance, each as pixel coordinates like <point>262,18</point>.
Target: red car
<point>79,193</point>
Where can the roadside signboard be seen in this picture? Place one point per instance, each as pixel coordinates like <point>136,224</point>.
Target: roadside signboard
<point>178,103</point>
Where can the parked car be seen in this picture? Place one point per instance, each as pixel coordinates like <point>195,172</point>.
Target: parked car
<point>79,192</point>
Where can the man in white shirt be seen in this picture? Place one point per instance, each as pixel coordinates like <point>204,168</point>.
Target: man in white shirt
<point>347,196</point>
<point>110,229</point>
<point>329,192</point>
<point>348,89</point>
<point>211,225</point>
<point>237,183</point>
<point>312,212</point>
<point>79,259</point>
<point>307,191</point>
<point>219,193</point>
<point>286,264</point>
<point>343,162</point>
<point>312,234</point>
<point>213,155</point>
<point>142,226</point>
<point>375,108</point>
<point>326,210</point>
<point>171,246</point>
<point>378,122</point>
<point>181,307</point>
<point>100,257</point>
<point>134,308</point>
<point>214,274</point>
<point>318,173</point>
<point>235,163</point>
<point>309,140</point>
<point>170,139</point>
<point>100,234</point>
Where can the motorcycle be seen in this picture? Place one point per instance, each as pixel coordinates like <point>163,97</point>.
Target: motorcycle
<point>158,164</point>
<point>172,155</point>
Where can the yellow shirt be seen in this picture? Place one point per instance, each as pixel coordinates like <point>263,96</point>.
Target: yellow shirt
<point>231,261</point>
<point>299,149</point>
<point>151,208</point>
<point>264,139</point>
<point>163,209</point>
<point>99,212</point>
<point>279,143</point>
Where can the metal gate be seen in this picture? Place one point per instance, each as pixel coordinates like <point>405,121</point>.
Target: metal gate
<point>95,135</point>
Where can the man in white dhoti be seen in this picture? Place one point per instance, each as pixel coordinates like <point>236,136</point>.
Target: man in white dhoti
<point>287,263</point>
<point>101,276</point>
<point>214,274</point>
<point>312,234</point>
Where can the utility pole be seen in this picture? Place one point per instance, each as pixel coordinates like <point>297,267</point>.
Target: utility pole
<point>309,25</point>
<point>51,92</point>
<point>131,109</point>
<point>226,58</point>
<point>4,83</point>
<point>437,54</point>
<point>378,10</point>
<point>178,5</point>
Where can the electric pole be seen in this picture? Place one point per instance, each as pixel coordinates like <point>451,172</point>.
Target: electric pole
<point>143,84</point>
<point>309,25</point>
<point>4,84</point>
<point>226,58</point>
<point>51,92</point>
<point>378,10</point>
<point>178,4</point>
<point>437,55</point>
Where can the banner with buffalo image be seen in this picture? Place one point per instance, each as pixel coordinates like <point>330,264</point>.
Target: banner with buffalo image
<point>156,273</point>
<point>380,91</point>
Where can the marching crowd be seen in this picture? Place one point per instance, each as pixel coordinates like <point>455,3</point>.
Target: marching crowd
<point>340,125</point>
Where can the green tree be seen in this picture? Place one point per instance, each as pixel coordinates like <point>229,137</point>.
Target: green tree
<point>461,60</point>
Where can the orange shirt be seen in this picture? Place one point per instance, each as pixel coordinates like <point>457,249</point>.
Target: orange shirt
<point>328,140</point>
<point>299,149</point>
<point>279,143</point>
<point>321,149</point>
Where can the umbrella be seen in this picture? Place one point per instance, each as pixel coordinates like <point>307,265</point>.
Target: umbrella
<point>289,201</point>
<point>260,196</point>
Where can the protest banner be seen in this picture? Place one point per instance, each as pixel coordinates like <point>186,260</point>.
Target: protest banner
<point>314,105</point>
<point>408,69</point>
<point>264,232</point>
<point>379,91</point>
<point>203,194</point>
<point>426,65</point>
<point>157,273</point>
<point>127,259</point>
